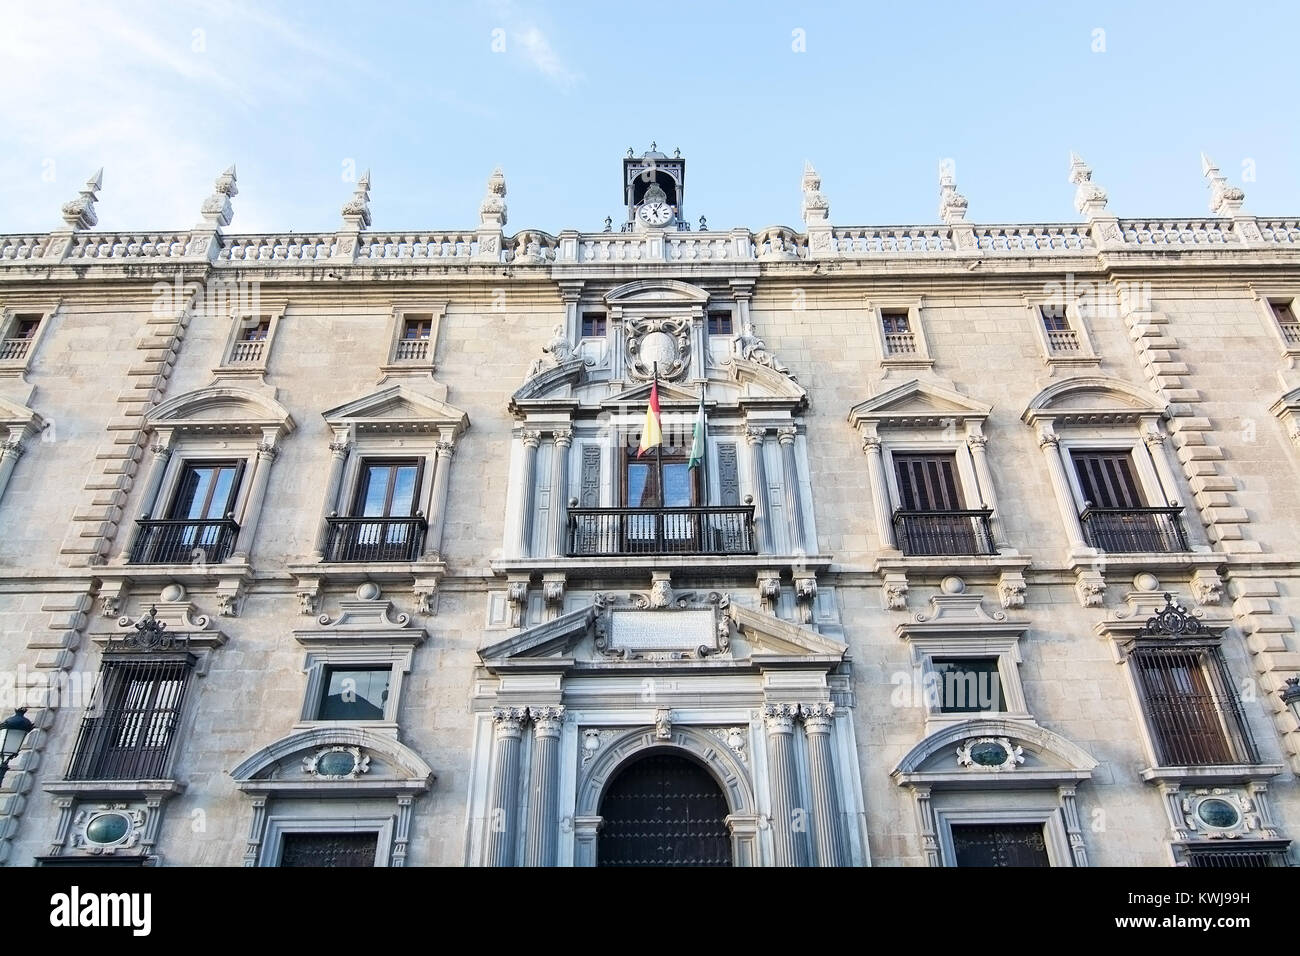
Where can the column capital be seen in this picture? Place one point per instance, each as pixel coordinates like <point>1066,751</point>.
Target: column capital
<point>563,437</point>
<point>871,444</point>
<point>445,449</point>
<point>818,717</point>
<point>1048,439</point>
<point>1154,439</point>
<point>531,437</point>
<point>547,721</point>
<point>780,718</point>
<point>12,448</point>
<point>267,451</point>
<point>977,442</point>
<point>786,434</point>
<point>754,435</point>
<point>339,447</point>
<point>509,721</point>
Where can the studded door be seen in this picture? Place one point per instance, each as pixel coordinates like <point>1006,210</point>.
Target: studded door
<point>663,810</point>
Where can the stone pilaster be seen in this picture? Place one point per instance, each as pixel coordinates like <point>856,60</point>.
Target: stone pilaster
<point>339,449</point>
<point>879,492</point>
<point>445,452</point>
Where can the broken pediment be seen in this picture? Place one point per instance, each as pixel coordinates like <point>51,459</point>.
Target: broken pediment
<point>917,404</point>
<point>692,627</point>
<point>399,409</point>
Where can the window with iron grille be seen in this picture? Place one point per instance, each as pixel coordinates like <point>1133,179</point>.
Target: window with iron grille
<point>200,524</point>
<point>1284,313</point>
<point>1190,705</point>
<point>129,728</point>
<point>593,325</point>
<point>931,516</point>
<point>1237,857</point>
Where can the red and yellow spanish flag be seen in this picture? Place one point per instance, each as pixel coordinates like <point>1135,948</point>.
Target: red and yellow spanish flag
<point>651,432</point>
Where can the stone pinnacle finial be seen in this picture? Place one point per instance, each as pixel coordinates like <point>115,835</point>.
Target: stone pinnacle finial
<point>356,211</point>
<point>815,208</point>
<point>80,213</point>
<point>1089,198</point>
<point>216,209</point>
<point>1225,199</point>
<point>492,210</point>
<point>952,204</point>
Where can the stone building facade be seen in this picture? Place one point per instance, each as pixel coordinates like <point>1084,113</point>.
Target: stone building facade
<point>337,548</point>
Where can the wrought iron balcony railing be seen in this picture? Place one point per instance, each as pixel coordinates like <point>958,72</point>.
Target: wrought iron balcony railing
<point>944,532</point>
<point>725,529</point>
<point>1124,530</point>
<point>184,541</point>
<point>375,539</point>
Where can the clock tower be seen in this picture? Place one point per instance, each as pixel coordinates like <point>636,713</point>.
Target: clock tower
<point>653,187</point>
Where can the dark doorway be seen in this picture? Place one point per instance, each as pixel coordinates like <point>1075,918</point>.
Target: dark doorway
<point>1004,844</point>
<point>664,810</point>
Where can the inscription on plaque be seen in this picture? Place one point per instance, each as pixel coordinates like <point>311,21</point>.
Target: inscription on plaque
<point>682,630</point>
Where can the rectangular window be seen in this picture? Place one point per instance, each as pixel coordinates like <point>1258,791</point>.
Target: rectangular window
<point>1107,480</point>
<point>966,685</point>
<point>927,482</point>
<point>720,323</point>
<point>895,322</point>
<point>25,326</point>
<point>416,334</point>
<point>199,523</point>
<point>1054,319</point>
<point>1284,313</point>
<point>593,325</point>
<point>641,480</point>
<point>352,693</point>
<point>1002,844</point>
<point>1191,707</point>
<point>256,331</point>
<point>129,727</point>
<point>17,341</point>
<point>328,849</point>
<point>385,523</point>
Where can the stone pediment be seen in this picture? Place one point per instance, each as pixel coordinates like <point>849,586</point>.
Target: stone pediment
<point>656,292</point>
<point>225,408</point>
<point>550,384</point>
<point>17,421</point>
<point>693,628</point>
<point>340,761</point>
<point>917,404</point>
<point>991,752</point>
<point>670,396</point>
<point>1093,400</point>
<point>399,408</point>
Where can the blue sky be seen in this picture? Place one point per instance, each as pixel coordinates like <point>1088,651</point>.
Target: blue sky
<point>165,96</point>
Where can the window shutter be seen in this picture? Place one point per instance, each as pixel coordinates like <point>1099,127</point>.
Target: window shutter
<point>1106,479</point>
<point>590,495</point>
<point>728,478</point>
<point>927,483</point>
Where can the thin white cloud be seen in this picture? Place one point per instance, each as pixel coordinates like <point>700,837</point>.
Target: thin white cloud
<point>523,34</point>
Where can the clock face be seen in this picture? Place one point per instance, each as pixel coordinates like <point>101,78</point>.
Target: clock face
<point>655,213</point>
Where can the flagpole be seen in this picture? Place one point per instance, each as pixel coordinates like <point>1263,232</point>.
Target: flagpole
<point>704,448</point>
<point>659,448</point>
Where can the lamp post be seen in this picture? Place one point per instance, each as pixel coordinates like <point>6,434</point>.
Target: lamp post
<point>1290,695</point>
<point>16,729</point>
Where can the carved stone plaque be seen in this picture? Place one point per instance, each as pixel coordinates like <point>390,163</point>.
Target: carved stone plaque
<point>669,630</point>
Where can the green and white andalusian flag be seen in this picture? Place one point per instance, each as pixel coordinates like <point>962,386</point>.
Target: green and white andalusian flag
<point>697,439</point>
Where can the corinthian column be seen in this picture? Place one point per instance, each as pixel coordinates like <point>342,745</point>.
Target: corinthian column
<point>445,451</point>
<point>758,481</point>
<point>779,719</point>
<point>502,805</point>
<point>879,492</point>
<point>524,521</point>
<point>266,455</point>
<point>560,489</point>
<point>790,478</point>
<point>339,449</point>
<point>540,833</point>
<point>1049,442</point>
<point>817,722</point>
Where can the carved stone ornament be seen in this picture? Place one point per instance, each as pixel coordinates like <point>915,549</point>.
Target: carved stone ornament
<point>735,738</point>
<point>664,344</point>
<point>80,213</point>
<point>693,636</point>
<point>337,763</point>
<point>748,346</point>
<point>558,351</point>
<point>989,754</point>
<point>1089,198</point>
<point>492,210</point>
<point>107,828</point>
<point>663,724</point>
<point>151,634</point>
<point>1218,813</point>
<point>593,739</point>
<point>216,209</point>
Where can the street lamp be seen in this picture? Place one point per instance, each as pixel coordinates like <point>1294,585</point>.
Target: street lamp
<point>1290,695</point>
<point>15,730</point>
